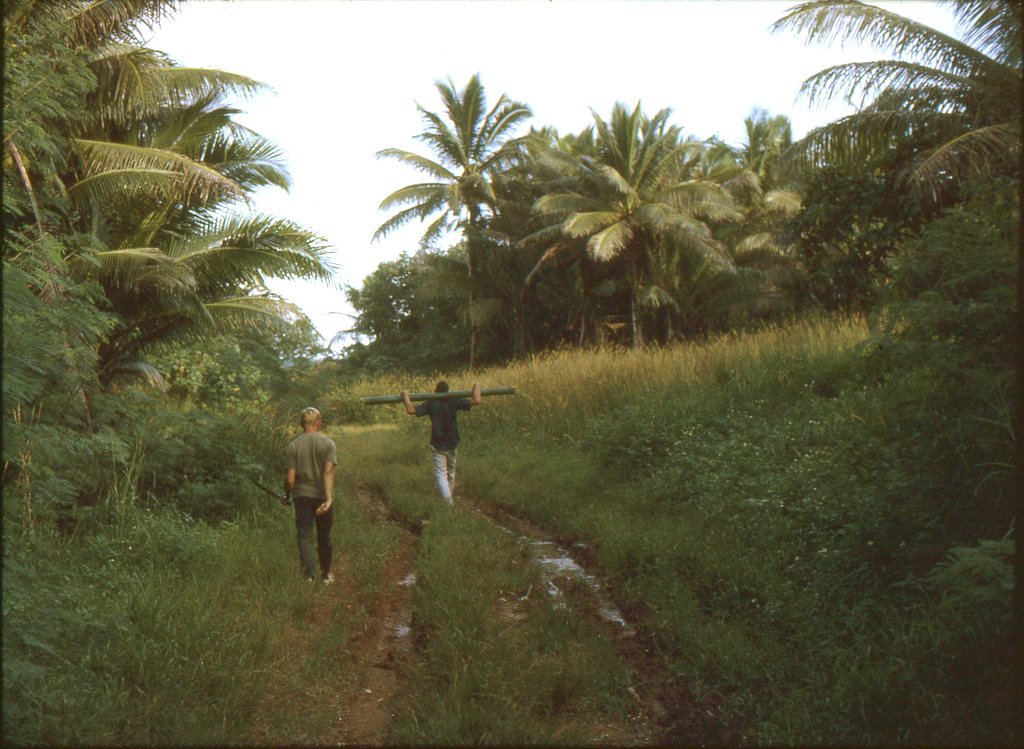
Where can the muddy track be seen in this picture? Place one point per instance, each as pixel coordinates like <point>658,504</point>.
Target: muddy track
<point>381,652</point>
<point>361,686</point>
<point>664,712</point>
<point>370,672</point>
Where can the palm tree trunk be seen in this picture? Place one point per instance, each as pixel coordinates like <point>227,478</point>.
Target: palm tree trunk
<point>634,301</point>
<point>471,273</point>
<point>634,309</point>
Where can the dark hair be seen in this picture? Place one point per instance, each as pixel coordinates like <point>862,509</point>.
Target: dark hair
<point>442,387</point>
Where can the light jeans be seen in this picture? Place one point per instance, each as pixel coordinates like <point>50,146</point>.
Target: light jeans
<point>444,472</point>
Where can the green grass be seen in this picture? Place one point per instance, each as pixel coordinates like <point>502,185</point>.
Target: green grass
<point>483,677</point>
<point>774,509</point>
<point>161,630</point>
<point>813,542</point>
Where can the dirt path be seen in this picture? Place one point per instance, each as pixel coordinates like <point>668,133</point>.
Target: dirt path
<point>360,691</point>
<point>380,651</point>
<point>356,691</point>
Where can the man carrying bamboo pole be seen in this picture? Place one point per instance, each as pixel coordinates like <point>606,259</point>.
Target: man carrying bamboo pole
<point>444,431</point>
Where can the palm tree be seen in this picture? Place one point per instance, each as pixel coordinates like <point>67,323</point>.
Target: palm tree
<point>160,174</point>
<point>767,138</point>
<point>956,102</point>
<point>630,200</point>
<point>470,145</point>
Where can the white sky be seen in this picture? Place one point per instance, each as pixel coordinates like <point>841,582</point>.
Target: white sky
<point>347,76</point>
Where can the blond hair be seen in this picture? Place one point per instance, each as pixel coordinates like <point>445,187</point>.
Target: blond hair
<point>310,416</point>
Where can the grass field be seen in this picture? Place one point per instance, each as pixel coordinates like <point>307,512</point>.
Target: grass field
<point>811,546</point>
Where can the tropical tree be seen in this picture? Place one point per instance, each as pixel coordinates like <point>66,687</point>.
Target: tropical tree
<point>953,106</point>
<point>150,175</point>
<point>470,145</point>
<point>630,202</point>
<point>408,309</point>
<point>156,173</point>
<point>766,259</point>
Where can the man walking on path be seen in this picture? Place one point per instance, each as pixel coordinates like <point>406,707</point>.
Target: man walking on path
<point>444,431</point>
<point>309,478</point>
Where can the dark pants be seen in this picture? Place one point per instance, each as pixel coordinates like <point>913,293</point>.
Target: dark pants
<point>305,519</point>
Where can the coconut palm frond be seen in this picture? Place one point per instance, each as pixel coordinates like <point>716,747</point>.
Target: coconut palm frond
<point>252,313</point>
<point>858,82</point>
<point>613,179</point>
<point>583,224</point>
<point>118,186</point>
<point>246,158</point>
<point>560,204</point>
<point>429,195</point>
<point>993,28</point>
<point>117,19</point>
<point>656,297</point>
<point>440,227</point>
<point>444,142</point>
<point>831,22</point>
<point>927,101</point>
<point>502,120</point>
<point>125,85</point>
<point>703,246</point>
<point>397,221</point>
<point>606,244</point>
<point>138,267</point>
<point>970,153</point>
<point>196,180</point>
<point>559,161</point>
<point>185,85</point>
<point>745,181</point>
<point>656,216</point>
<point>135,82</point>
<point>247,249</point>
<point>138,371</point>
<point>422,163</point>
<point>753,243</point>
<point>863,136</point>
<point>787,202</point>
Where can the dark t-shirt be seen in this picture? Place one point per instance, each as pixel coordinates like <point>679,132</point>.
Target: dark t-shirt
<point>444,429</point>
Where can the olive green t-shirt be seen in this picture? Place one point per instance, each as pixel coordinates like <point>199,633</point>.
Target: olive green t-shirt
<point>308,454</point>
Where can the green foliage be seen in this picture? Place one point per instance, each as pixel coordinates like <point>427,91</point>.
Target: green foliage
<point>51,326</point>
<point>414,322</point>
<point>941,110</point>
<point>849,226</point>
<point>156,630</point>
<point>957,285</point>
<point>46,79</point>
<point>810,546</point>
<point>210,464</point>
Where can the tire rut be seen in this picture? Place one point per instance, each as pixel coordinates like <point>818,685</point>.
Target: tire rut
<point>359,688</point>
<point>664,712</point>
<point>381,651</point>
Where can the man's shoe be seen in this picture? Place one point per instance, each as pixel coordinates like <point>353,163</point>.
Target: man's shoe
<point>327,579</point>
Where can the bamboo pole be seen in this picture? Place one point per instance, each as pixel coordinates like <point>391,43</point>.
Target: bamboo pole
<point>376,400</point>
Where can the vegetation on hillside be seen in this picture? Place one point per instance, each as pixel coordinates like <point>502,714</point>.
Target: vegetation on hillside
<point>769,385</point>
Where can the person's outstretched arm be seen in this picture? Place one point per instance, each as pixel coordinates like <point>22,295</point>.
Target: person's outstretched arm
<point>409,407</point>
<point>478,397</point>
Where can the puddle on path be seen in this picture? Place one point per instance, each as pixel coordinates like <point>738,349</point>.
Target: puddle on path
<point>558,566</point>
<point>401,630</point>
